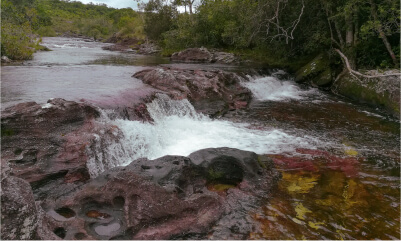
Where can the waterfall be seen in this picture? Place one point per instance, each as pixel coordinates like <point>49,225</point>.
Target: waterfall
<point>272,88</point>
<point>179,130</point>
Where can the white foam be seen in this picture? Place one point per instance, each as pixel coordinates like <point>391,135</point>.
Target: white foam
<point>271,88</point>
<point>47,105</point>
<point>179,130</point>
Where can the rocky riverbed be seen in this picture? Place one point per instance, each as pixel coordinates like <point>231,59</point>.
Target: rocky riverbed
<point>188,151</point>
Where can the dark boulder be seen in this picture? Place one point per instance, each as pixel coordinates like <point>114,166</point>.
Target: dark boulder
<point>212,92</point>
<point>207,195</point>
<point>317,72</point>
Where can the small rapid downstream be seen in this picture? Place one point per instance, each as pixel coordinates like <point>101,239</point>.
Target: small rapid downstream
<point>340,161</point>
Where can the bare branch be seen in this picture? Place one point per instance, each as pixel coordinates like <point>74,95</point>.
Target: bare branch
<point>354,73</point>
<point>274,21</point>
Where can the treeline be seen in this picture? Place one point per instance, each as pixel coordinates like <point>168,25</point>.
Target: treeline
<point>282,31</point>
<point>25,21</point>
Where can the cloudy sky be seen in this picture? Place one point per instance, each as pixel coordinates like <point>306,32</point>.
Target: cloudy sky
<point>115,3</point>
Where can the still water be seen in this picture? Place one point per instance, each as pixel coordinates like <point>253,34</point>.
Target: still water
<point>340,161</point>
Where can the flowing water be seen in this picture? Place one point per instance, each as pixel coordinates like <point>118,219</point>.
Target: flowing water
<point>340,161</point>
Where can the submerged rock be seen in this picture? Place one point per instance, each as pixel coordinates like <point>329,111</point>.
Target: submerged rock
<point>212,92</point>
<point>207,195</point>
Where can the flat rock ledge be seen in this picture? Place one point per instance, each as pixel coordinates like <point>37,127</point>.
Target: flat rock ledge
<point>203,55</point>
<point>48,190</point>
<point>210,194</point>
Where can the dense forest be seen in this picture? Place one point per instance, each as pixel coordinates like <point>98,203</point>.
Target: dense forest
<point>277,32</point>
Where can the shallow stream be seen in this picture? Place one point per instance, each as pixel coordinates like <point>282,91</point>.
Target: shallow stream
<point>340,161</point>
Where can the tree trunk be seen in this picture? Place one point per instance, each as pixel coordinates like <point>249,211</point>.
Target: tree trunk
<point>349,39</point>
<point>383,35</point>
<point>340,38</point>
<point>190,6</point>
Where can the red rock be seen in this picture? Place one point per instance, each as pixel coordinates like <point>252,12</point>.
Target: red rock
<point>210,92</point>
<point>47,145</point>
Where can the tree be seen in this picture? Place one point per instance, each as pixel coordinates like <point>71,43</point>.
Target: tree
<point>159,16</point>
<point>383,23</point>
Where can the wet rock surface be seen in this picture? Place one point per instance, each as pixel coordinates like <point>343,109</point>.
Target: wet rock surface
<point>5,59</point>
<point>19,215</point>
<point>203,55</point>
<point>207,195</point>
<point>46,145</point>
<point>57,185</point>
<point>131,45</point>
<point>211,92</point>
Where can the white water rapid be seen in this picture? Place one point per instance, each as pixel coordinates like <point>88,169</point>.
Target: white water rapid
<point>271,88</point>
<point>179,130</point>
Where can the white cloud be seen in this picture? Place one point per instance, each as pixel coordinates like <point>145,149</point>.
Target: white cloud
<point>115,3</point>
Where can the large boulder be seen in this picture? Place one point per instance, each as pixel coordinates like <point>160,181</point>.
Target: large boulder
<point>47,145</point>
<point>382,92</point>
<point>207,195</point>
<point>192,55</point>
<point>317,72</point>
<point>212,92</point>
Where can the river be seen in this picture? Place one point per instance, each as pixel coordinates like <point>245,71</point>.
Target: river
<point>340,161</point>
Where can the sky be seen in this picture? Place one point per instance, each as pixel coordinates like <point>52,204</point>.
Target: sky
<point>115,3</point>
<point>123,3</point>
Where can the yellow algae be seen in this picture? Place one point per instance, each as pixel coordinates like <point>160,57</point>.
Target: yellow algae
<point>221,187</point>
<point>340,234</point>
<point>300,184</point>
<point>354,193</point>
<point>349,189</point>
<point>330,201</point>
<point>301,211</point>
<point>315,225</point>
<point>349,150</point>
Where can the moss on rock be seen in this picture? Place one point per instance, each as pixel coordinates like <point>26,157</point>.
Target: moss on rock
<point>323,79</point>
<point>317,71</point>
<point>383,92</point>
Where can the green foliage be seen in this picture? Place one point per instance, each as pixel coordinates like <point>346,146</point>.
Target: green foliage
<point>16,42</point>
<point>24,20</point>
<point>96,28</point>
<point>159,18</point>
<point>275,31</point>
